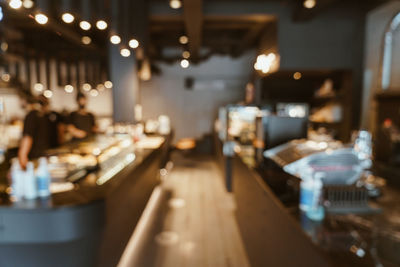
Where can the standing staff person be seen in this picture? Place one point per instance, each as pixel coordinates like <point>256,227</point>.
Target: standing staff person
<point>81,123</point>
<point>55,123</point>
<point>36,134</point>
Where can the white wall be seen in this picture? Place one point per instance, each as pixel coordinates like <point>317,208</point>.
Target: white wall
<point>192,112</point>
<point>124,76</point>
<point>12,104</point>
<point>377,22</point>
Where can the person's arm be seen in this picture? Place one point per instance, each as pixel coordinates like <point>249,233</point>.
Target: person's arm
<point>72,129</point>
<point>26,143</point>
<point>24,149</point>
<point>75,132</point>
<point>95,129</point>
<point>61,133</point>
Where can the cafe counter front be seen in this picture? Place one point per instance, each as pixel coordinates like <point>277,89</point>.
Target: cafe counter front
<point>92,211</point>
<point>360,227</point>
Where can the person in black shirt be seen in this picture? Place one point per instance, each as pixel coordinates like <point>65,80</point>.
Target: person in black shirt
<point>81,123</point>
<point>35,140</point>
<point>55,123</point>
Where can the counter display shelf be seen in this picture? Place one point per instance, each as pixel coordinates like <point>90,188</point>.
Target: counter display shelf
<point>271,237</point>
<point>90,224</point>
<point>276,233</point>
<point>362,238</point>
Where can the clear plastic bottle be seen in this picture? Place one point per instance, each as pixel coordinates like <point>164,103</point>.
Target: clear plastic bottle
<point>17,178</point>
<point>306,189</point>
<point>30,182</point>
<point>43,178</point>
<point>316,211</point>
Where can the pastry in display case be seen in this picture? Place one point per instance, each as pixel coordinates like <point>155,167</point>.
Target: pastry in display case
<point>74,161</point>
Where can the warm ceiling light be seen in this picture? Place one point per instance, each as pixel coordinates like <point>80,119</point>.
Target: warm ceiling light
<point>183,39</point>
<point>38,87</point>
<point>264,62</point>
<point>108,84</point>
<point>115,39</point>
<point>69,88</point>
<point>133,43</point>
<point>297,75</point>
<point>175,4</point>
<point>15,4</point>
<point>125,52</point>
<point>86,87</point>
<point>94,92</point>
<point>184,63</point>
<point>101,25</point>
<point>186,54</point>
<point>27,4</point>
<point>4,46</point>
<point>5,77</point>
<point>86,40</point>
<point>67,17</point>
<point>309,3</point>
<point>48,94</point>
<point>85,25</point>
<point>41,18</point>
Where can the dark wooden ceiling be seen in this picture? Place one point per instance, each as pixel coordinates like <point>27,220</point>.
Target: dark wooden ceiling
<point>26,37</point>
<point>231,35</point>
<point>228,35</point>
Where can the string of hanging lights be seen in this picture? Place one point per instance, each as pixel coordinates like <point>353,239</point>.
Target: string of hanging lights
<point>39,10</point>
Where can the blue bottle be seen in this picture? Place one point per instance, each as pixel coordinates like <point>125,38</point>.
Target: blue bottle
<point>43,178</point>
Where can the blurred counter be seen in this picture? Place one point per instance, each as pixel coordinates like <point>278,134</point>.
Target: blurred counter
<point>99,191</point>
<point>277,233</point>
<point>369,236</point>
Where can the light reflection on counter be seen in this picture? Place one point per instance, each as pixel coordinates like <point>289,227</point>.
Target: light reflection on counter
<point>116,169</point>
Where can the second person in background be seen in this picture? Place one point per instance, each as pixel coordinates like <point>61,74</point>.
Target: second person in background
<point>81,123</point>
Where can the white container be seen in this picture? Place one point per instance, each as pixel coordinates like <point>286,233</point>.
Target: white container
<point>164,127</point>
<point>17,178</point>
<point>43,178</point>
<point>30,182</point>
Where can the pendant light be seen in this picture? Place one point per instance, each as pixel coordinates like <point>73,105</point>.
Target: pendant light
<point>5,76</point>
<point>68,88</point>
<point>48,92</point>
<point>86,85</point>
<point>42,13</point>
<point>67,13</point>
<point>114,36</point>
<point>15,4</point>
<point>93,92</point>
<point>38,86</point>
<point>85,24</point>
<point>101,18</point>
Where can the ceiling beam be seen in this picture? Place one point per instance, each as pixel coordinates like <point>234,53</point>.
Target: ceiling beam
<point>250,38</point>
<point>193,19</point>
